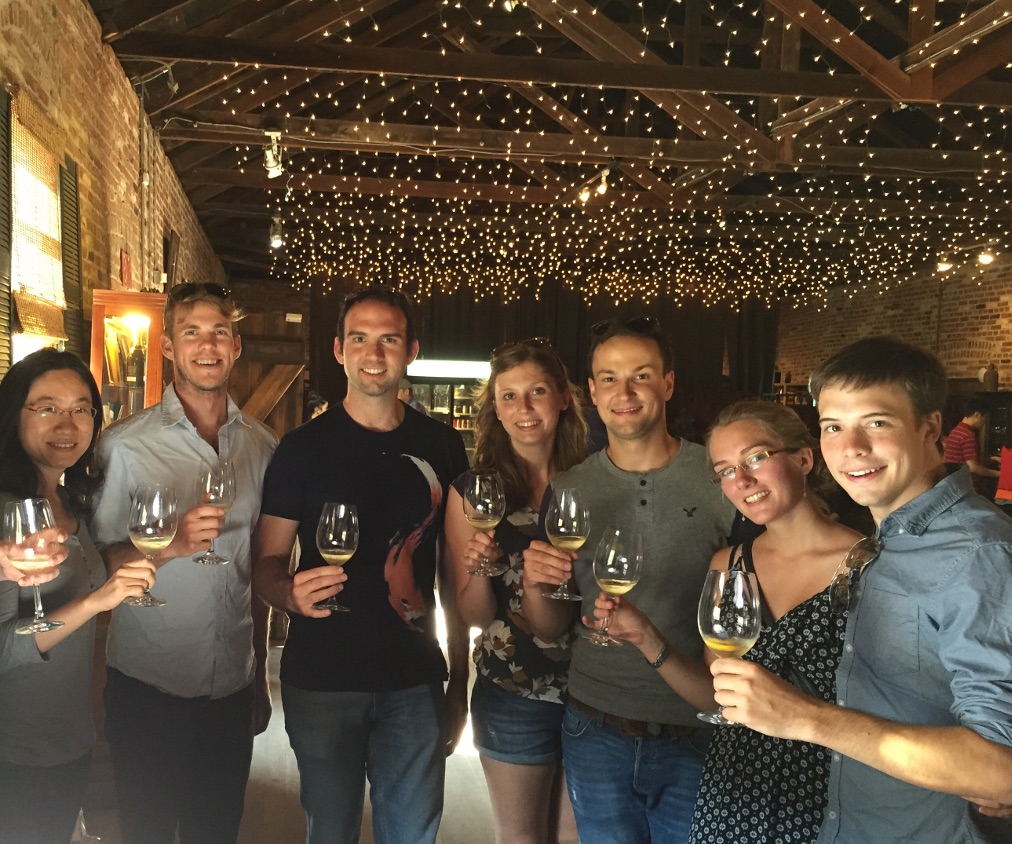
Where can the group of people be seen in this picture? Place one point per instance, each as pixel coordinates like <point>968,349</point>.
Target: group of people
<point>875,706</point>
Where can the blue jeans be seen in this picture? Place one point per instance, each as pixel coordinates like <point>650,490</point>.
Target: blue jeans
<point>396,738</point>
<point>629,790</point>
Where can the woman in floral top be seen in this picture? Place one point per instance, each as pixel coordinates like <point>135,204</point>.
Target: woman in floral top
<point>529,426</point>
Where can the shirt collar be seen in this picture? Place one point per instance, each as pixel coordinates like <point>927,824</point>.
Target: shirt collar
<point>173,413</point>
<point>916,516</point>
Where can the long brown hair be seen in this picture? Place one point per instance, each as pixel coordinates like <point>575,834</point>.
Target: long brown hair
<point>493,449</point>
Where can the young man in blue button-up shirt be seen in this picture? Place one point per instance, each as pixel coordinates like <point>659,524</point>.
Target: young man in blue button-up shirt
<point>923,726</point>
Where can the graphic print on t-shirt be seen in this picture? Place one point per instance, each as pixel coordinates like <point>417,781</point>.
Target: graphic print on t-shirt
<point>398,570</point>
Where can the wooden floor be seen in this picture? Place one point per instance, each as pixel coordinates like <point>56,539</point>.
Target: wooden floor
<point>273,814</point>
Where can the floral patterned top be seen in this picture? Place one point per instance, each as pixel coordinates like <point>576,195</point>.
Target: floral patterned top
<point>506,652</point>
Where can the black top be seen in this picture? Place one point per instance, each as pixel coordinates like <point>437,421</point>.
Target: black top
<point>398,481</point>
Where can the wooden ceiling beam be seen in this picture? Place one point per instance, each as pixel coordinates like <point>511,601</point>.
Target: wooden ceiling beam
<point>994,53</point>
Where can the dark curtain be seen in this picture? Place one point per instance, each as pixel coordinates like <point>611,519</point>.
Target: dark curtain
<point>70,236</point>
<point>752,348</point>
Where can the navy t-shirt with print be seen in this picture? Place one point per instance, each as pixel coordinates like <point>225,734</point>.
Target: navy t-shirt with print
<point>398,481</point>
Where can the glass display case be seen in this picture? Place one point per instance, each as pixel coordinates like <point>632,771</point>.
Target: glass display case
<point>126,356</point>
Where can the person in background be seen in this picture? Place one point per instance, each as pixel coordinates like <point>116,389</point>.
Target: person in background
<point>528,427</point>
<point>961,444</point>
<point>187,682</point>
<point>405,392</point>
<point>1003,494</point>
<point>756,788</point>
<point>363,689</point>
<point>316,404</point>
<point>49,424</point>
<point>922,726</point>
<point>633,752</point>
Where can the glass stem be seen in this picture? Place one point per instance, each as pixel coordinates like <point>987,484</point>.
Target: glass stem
<point>38,603</point>
<point>605,623</point>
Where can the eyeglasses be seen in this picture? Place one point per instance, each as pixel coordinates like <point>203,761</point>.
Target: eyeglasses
<point>193,288</point>
<point>530,342</point>
<point>78,414</point>
<point>844,583</point>
<point>645,325</point>
<point>751,463</point>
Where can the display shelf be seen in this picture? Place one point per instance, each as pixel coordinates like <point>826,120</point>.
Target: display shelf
<point>126,355</point>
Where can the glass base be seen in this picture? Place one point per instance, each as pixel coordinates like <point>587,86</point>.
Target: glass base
<point>209,558</point>
<point>488,568</point>
<point>145,600</point>
<point>603,640</point>
<point>563,593</point>
<point>331,604</point>
<point>716,718</point>
<point>36,625</point>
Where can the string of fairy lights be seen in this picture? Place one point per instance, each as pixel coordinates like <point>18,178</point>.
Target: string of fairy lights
<point>787,231</point>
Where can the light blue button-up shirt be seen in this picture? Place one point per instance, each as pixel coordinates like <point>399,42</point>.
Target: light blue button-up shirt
<point>201,642</point>
<point>929,642</point>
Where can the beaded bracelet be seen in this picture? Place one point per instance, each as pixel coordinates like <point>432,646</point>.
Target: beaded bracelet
<point>661,657</point>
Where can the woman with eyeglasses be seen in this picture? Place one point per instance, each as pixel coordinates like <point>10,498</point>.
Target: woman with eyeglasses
<point>49,424</point>
<point>756,788</point>
<point>528,427</point>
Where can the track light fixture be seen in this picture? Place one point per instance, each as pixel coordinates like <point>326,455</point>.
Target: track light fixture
<point>272,156</point>
<point>277,233</point>
<point>944,264</point>
<point>986,256</point>
<point>583,191</point>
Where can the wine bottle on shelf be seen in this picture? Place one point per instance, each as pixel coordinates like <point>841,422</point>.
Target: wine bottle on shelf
<point>135,368</point>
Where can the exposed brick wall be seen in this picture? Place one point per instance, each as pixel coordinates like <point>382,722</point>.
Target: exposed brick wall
<point>52,52</point>
<point>975,327</point>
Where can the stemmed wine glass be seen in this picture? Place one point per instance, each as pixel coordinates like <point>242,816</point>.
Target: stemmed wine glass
<point>567,524</point>
<point>484,506</point>
<point>215,486</point>
<point>152,527</point>
<point>729,620</point>
<point>337,541</point>
<point>24,522</point>
<point>617,564</point>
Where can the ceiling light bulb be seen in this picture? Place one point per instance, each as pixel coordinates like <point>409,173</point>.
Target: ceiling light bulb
<point>509,5</point>
<point>277,234</point>
<point>584,194</point>
<point>986,257</point>
<point>944,265</point>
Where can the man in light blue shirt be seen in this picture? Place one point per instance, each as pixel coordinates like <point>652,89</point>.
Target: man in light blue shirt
<point>923,727</point>
<point>187,684</point>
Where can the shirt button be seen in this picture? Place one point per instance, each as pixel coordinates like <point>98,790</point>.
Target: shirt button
<point>840,702</point>
<point>901,531</point>
<point>643,482</point>
<point>848,647</point>
<point>832,815</point>
<point>836,757</point>
<point>643,502</point>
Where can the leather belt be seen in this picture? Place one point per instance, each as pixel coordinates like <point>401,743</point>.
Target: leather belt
<point>633,728</point>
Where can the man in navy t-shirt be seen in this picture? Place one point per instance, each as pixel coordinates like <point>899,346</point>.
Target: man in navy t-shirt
<point>363,690</point>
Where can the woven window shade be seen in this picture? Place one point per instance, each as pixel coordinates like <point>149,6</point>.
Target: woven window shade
<point>36,253</point>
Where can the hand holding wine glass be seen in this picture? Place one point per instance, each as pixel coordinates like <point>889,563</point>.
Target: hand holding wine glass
<point>617,564</point>
<point>729,619</point>
<point>26,524</point>
<point>215,486</point>
<point>484,502</point>
<point>337,541</point>
<point>152,527</point>
<point>567,524</point>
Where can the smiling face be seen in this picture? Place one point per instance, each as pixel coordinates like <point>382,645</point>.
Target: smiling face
<point>55,443</point>
<point>528,404</point>
<point>629,386</point>
<point>203,348</point>
<point>374,351</point>
<point>768,491</point>
<point>877,449</point>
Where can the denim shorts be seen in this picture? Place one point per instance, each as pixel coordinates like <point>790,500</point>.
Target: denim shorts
<point>514,729</point>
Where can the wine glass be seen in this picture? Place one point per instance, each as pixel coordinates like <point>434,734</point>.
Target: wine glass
<point>24,522</point>
<point>337,541</point>
<point>152,527</point>
<point>215,486</point>
<point>729,619</point>
<point>484,507</point>
<point>567,524</point>
<point>617,565</point>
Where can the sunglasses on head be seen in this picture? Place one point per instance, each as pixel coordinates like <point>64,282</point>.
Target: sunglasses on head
<point>197,288</point>
<point>530,342</point>
<point>645,325</point>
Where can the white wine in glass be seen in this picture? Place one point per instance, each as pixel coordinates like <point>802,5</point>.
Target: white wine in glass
<point>617,565</point>
<point>151,527</point>
<point>337,542</point>
<point>24,522</point>
<point>484,502</point>
<point>729,619</point>
<point>215,486</point>
<point>567,524</point>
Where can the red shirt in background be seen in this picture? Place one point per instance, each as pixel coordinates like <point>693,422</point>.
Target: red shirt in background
<point>961,447</point>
